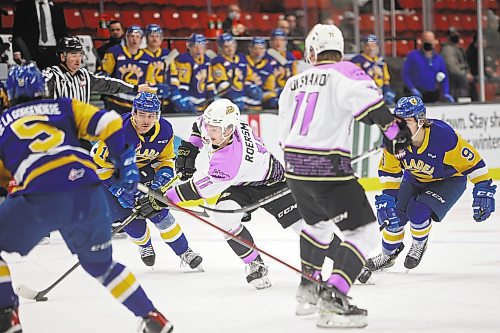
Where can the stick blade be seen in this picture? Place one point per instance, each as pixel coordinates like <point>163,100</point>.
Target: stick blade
<point>26,292</point>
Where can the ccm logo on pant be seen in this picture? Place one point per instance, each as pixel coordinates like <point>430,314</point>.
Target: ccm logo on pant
<point>287,210</point>
<point>435,196</point>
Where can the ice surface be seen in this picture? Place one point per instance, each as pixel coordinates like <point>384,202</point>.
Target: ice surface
<point>456,288</point>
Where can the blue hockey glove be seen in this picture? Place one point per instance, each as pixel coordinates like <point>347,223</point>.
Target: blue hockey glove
<point>162,177</point>
<point>389,95</point>
<point>126,172</point>
<point>416,92</point>
<point>163,90</point>
<point>449,98</point>
<point>125,199</point>
<point>483,203</point>
<point>386,211</point>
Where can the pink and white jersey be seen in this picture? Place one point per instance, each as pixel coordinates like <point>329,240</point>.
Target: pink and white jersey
<point>316,109</point>
<point>245,161</point>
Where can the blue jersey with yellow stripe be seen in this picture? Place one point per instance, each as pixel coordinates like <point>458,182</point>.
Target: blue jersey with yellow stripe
<point>230,76</point>
<point>283,72</point>
<point>39,144</point>
<point>195,78</point>
<point>443,154</point>
<point>375,67</point>
<point>119,63</point>
<point>263,77</point>
<point>155,149</point>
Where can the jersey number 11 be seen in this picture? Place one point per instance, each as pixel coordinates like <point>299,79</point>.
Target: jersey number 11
<point>311,100</point>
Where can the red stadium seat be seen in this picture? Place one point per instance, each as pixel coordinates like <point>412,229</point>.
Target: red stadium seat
<point>73,18</point>
<point>415,23</point>
<point>190,20</point>
<point>366,24</point>
<point>171,19</point>
<point>401,23</point>
<point>492,4</point>
<point>410,3</point>
<point>264,23</point>
<point>131,17</point>
<point>468,5</point>
<point>403,47</point>
<point>152,17</point>
<point>293,4</point>
<point>441,22</point>
<point>8,20</point>
<point>90,17</point>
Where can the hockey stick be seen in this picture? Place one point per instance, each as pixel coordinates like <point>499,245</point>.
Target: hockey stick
<point>26,292</point>
<point>170,57</point>
<point>39,296</point>
<point>210,54</point>
<point>276,55</point>
<point>237,239</point>
<point>281,193</point>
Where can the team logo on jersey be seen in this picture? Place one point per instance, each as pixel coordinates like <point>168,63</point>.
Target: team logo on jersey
<point>413,101</point>
<point>75,174</point>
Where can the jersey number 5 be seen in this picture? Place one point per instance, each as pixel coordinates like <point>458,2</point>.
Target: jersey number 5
<point>53,136</point>
<point>311,100</point>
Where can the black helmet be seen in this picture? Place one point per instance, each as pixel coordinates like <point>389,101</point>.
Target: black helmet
<point>68,44</point>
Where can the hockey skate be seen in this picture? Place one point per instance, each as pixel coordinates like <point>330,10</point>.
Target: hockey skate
<point>307,298</point>
<point>378,263</point>
<point>155,322</point>
<point>148,255</point>
<point>9,320</point>
<point>415,254</point>
<point>192,259</point>
<point>257,274</point>
<point>336,311</point>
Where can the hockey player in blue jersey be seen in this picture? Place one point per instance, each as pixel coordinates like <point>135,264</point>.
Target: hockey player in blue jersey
<point>195,73</point>
<point>58,189</point>
<point>127,62</point>
<point>164,79</point>
<point>232,75</point>
<point>153,139</point>
<point>425,182</point>
<point>282,72</point>
<point>266,97</point>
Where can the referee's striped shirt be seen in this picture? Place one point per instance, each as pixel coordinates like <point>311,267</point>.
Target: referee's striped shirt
<point>60,83</point>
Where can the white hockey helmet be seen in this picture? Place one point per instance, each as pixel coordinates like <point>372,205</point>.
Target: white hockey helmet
<point>324,37</point>
<point>222,113</point>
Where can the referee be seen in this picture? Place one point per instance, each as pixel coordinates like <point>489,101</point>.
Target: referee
<point>69,80</point>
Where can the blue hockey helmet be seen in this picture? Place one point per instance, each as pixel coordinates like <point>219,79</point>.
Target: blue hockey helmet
<point>225,38</point>
<point>146,102</point>
<point>258,41</point>
<point>278,33</point>
<point>410,107</point>
<point>371,38</point>
<point>135,29</point>
<point>154,29</point>
<point>25,81</point>
<point>196,39</point>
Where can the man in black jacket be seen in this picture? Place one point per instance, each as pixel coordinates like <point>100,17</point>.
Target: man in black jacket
<point>38,25</point>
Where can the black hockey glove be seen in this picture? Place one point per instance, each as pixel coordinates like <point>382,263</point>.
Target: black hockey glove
<point>148,206</point>
<point>186,157</point>
<point>398,145</point>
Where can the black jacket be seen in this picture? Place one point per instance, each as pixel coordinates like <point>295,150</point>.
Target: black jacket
<point>26,25</point>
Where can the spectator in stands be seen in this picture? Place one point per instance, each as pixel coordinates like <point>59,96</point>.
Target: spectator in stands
<point>266,96</point>
<point>492,35</point>
<point>230,71</point>
<point>127,62</point>
<point>424,72</point>
<point>285,66</point>
<point>4,101</point>
<point>375,66</point>
<point>38,25</point>
<point>284,25</point>
<point>233,24</point>
<point>3,51</point>
<point>347,26</point>
<point>116,33</point>
<point>295,31</point>
<point>195,73</point>
<point>456,64</point>
<point>490,74</point>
